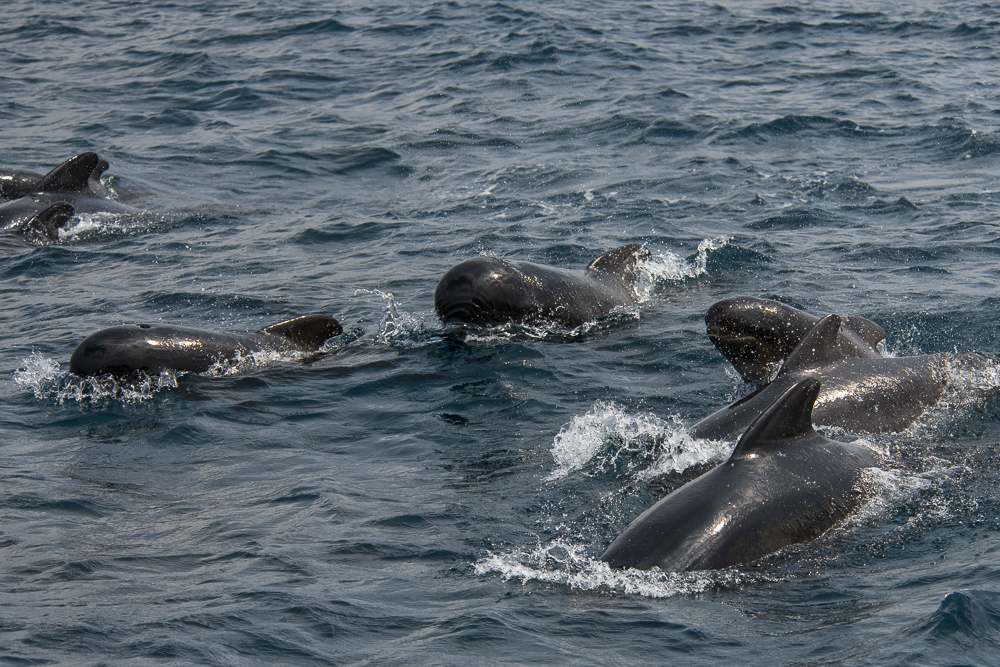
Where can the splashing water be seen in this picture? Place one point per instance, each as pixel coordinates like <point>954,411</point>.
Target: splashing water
<point>560,562</point>
<point>251,360</point>
<point>607,432</point>
<point>45,378</point>
<point>667,266</point>
<point>396,328</point>
<point>86,225</point>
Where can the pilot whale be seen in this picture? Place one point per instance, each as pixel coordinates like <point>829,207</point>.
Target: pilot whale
<point>488,291</point>
<point>757,335</point>
<point>153,348</point>
<point>784,484</point>
<point>860,393</point>
<point>17,183</point>
<point>42,210</point>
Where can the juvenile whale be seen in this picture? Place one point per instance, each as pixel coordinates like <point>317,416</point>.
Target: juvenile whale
<point>784,484</point>
<point>42,211</point>
<point>488,291</point>
<point>860,393</point>
<point>757,335</point>
<point>153,348</point>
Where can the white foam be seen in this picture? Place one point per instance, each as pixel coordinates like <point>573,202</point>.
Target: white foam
<point>86,224</point>
<point>607,432</point>
<point>560,562</point>
<point>45,378</point>
<point>396,327</point>
<point>666,266</point>
<point>240,363</point>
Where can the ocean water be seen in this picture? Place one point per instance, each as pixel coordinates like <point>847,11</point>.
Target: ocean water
<point>411,499</point>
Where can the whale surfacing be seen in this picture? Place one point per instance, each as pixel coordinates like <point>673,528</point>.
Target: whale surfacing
<point>40,205</point>
<point>153,348</point>
<point>784,484</point>
<point>488,291</point>
<point>860,393</point>
<point>757,335</point>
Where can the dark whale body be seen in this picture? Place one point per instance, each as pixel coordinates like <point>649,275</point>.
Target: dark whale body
<point>784,484</point>
<point>153,348</point>
<point>487,291</point>
<point>41,205</point>
<point>757,335</point>
<point>860,394</point>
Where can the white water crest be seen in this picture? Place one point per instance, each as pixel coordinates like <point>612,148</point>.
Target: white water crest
<point>652,446</point>
<point>560,562</point>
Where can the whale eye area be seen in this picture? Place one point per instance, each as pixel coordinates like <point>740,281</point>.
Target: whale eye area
<point>145,326</point>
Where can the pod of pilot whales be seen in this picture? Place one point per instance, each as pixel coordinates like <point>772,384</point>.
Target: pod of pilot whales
<point>783,484</point>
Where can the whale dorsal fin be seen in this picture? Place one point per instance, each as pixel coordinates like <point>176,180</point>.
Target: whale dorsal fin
<point>308,331</point>
<point>821,345</point>
<point>790,416</point>
<point>872,333</point>
<point>621,261</point>
<point>45,225</point>
<point>70,176</point>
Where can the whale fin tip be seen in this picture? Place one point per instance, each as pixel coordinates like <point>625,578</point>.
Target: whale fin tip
<point>73,175</point>
<point>790,416</point>
<point>872,333</point>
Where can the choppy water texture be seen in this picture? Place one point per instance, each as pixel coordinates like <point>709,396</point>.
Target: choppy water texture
<point>413,499</point>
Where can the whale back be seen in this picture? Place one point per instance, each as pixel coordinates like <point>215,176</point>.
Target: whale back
<point>308,332</point>
<point>783,485</point>
<point>757,335</point>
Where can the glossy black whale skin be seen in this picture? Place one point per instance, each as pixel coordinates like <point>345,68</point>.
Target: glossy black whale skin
<point>757,335</point>
<point>488,291</point>
<point>859,394</point>
<point>153,348</point>
<point>40,206</point>
<point>784,484</point>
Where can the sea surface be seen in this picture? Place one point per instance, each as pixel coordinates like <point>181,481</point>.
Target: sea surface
<point>413,498</point>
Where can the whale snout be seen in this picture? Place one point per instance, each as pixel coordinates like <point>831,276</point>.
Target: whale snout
<point>483,291</point>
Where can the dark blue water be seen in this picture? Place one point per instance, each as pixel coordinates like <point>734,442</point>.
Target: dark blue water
<point>415,500</point>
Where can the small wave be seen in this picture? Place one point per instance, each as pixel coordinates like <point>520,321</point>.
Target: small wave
<point>560,562</point>
<point>607,433</point>
<point>45,378</point>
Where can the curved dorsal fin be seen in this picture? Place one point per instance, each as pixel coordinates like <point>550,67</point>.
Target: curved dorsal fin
<point>820,345</point>
<point>621,261</point>
<point>70,176</point>
<point>308,331</point>
<point>790,416</point>
<point>872,333</point>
